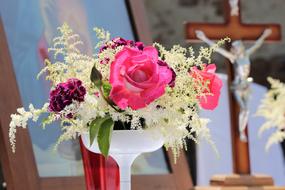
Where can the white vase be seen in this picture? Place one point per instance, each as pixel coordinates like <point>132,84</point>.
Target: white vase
<point>126,146</point>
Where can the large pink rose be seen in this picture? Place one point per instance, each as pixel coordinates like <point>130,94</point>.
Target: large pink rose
<point>136,77</point>
<point>209,102</point>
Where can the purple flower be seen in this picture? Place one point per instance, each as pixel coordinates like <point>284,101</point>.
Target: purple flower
<point>139,45</point>
<point>105,60</point>
<point>172,82</point>
<point>65,93</point>
<point>120,41</point>
<point>116,42</point>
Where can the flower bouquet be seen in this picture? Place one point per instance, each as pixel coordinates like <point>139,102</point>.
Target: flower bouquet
<point>127,98</point>
<point>272,109</point>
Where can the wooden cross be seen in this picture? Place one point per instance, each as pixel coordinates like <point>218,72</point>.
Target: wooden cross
<point>236,30</point>
<point>233,28</point>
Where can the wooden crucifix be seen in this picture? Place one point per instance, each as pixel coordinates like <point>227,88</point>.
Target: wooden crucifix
<point>235,29</point>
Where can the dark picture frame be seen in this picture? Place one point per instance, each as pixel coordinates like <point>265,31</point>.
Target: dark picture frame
<point>20,170</point>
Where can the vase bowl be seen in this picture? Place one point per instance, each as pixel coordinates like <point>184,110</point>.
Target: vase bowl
<point>128,142</point>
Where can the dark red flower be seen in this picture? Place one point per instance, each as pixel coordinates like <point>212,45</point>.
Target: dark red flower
<point>116,42</point>
<point>139,45</point>
<point>65,93</point>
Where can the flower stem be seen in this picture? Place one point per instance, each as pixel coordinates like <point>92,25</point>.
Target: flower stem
<point>108,101</point>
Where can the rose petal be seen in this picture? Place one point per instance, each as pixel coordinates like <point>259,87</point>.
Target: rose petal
<point>116,66</point>
<point>165,74</point>
<point>211,68</point>
<point>123,98</point>
<point>151,52</point>
<point>210,102</point>
<point>153,93</point>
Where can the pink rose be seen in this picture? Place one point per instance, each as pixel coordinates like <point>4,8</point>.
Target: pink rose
<point>209,102</point>
<point>136,77</point>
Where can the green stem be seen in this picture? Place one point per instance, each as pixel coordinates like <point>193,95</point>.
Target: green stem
<point>108,101</point>
<point>124,126</point>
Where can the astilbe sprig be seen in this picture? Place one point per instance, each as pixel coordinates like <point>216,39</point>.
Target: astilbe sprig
<point>21,119</point>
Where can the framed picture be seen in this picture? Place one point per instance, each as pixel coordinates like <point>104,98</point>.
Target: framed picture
<point>26,31</point>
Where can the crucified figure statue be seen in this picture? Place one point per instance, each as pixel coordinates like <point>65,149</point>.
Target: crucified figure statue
<point>240,58</point>
<point>234,7</point>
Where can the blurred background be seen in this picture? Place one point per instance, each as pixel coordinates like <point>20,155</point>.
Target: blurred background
<point>165,19</point>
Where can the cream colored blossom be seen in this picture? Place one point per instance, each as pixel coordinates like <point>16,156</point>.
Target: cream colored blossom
<point>272,108</point>
<point>21,120</point>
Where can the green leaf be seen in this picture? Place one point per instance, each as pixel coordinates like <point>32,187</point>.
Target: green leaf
<point>94,128</point>
<point>106,88</point>
<point>104,136</point>
<point>96,77</point>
